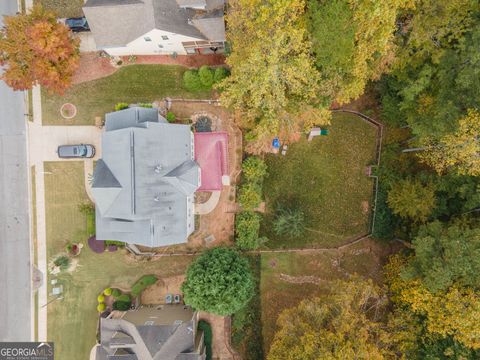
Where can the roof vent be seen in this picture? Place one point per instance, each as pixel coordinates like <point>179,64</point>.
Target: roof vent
<point>158,169</point>
<point>156,198</point>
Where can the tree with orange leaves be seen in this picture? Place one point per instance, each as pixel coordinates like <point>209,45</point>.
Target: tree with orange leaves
<point>36,49</point>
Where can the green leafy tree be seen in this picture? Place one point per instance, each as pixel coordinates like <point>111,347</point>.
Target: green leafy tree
<point>352,42</point>
<point>449,313</point>
<point>411,199</point>
<point>273,77</point>
<point>458,151</point>
<point>254,169</point>
<point>247,226</point>
<point>219,281</point>
<point>36,49</point>
<point>445,255</point>
<point>289,222</point>
<point>340,325</point>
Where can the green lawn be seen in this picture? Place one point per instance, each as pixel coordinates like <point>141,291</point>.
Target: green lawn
<point>72,321</point>
<point>130,84</point>
<point>63,8</point>
<point>326,179</point>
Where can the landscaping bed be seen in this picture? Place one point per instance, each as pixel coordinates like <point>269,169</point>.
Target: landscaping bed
<point>130,84</point>
<point>326,180</point>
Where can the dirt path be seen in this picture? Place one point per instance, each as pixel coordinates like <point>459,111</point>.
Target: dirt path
<point>221,336</point>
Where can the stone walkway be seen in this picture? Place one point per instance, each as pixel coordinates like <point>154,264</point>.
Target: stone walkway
<point>209,205</point>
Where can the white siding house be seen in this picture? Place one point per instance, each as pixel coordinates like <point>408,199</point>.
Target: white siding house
<point>155,27</point>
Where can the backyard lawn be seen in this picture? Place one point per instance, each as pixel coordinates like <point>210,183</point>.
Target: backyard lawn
<point>326,179</point>
<point>63,8</point>
<point>72,321</point>
<point>130,84</point>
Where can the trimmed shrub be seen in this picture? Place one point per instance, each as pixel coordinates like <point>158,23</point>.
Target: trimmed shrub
<point>101,307</point>
<point>121,305</point>
<point>114,242</point>
<point>145,105</point>
<point>63,262</point>
<point>100,298</point>
<point>247,226</point>
<point>206,76</point>
<point>220,74</point>
<point>207,337</point>
<point>171,117</point>
<point>191,80</point>
<point>107,292</point>
<point>254,169</point>
<point>116,293</point>
<point>142,284</point>
<point>250,196</point>
<point>121,106</point>
<point>124,298</point>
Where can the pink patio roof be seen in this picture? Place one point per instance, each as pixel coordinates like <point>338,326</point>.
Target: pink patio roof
<point>211,154</point>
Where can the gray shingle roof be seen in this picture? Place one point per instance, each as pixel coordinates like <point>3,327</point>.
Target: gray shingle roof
<point>148,342</point>
<point>144,184</point>
<point>118,22</point>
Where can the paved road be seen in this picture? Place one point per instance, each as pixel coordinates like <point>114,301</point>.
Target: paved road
<point>15,293</point>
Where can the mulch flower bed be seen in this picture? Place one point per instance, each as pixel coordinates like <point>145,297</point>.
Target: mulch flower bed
<point>97,246</point>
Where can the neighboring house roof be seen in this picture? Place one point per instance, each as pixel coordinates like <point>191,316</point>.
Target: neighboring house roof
<point>118,22</point>
<point>144,184</point>
<point>171,335</point>
<point>211,153</point>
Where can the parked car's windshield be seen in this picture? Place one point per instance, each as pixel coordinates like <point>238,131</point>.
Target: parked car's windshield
<point>83,150</point>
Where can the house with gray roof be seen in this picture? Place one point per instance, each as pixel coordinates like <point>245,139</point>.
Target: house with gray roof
<point>144,184</point>
<point>152,27</point>
<point>163,332</point>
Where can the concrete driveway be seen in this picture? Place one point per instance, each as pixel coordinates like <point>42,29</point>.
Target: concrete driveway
<point>87,42</point>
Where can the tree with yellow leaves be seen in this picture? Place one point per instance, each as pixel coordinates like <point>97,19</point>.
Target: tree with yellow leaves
<point>341,325</point>
<point>458,152</point>
<point>273,79</point>
<point>352,42</point>
<point>453,312</point>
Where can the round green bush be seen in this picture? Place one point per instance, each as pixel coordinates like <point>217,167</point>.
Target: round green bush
<point>121,305</point>
<point>100,298</point>
<point>121,106</point>
<point>206,76</point>
<point>191,80</point>
<point>116,293</point>
<point>107,292</point>
<point>101,307</point>
<point>219,282</point>
<point>220,74</point>
<point>124,297</point>
<point>171,117</point>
